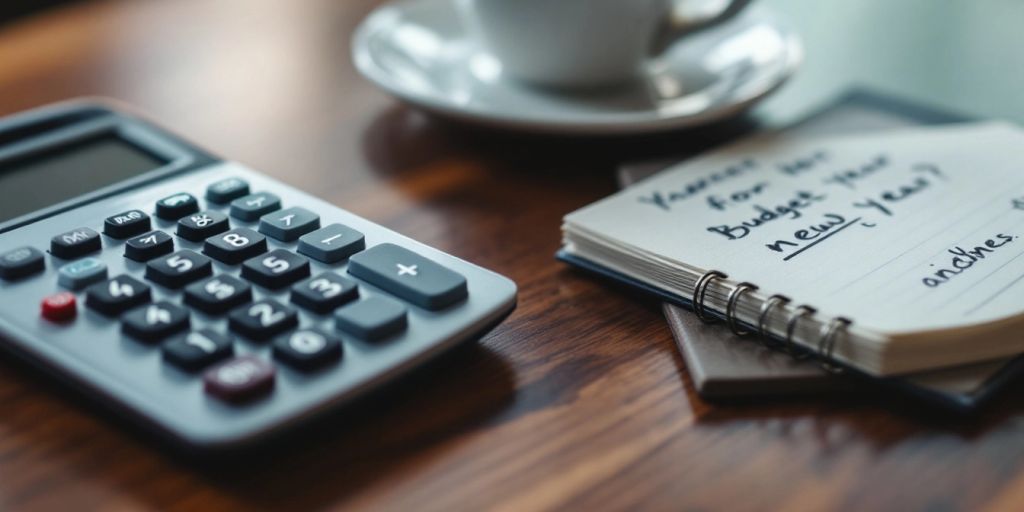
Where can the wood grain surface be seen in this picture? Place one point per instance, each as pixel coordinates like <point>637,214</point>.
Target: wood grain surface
<point>578,401</point>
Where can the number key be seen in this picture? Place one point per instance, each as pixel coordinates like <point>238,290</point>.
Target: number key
<point>235,246</point>
<point>117,295</point>
<point>262,319</point>
<point>178,269</point>
<point>198,349</point>
<point>276,269</point>
<point>324,292</point>
<point>218,294</point>
<point>148,246</point>
<point>155,321</point>
<point>202,225</point>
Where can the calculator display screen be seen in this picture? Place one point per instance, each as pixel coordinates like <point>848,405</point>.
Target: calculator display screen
<point>56,175</point>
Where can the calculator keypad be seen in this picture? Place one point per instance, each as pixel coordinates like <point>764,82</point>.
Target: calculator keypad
<point>75,243</point>
<point>238,293</point>
<point>179,268</point>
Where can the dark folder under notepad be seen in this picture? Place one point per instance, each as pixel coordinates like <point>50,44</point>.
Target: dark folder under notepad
<point>724,366</point>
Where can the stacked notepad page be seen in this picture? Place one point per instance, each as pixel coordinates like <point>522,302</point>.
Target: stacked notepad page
<point>889,253</point>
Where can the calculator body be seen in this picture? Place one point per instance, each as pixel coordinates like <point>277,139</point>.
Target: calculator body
<point>91,351</point>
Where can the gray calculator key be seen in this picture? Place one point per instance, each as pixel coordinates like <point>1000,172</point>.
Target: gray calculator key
<point>409,276</point>
<point>235,246</point>
<point>254,206</point>
<point>81,273</point>
<point>75,243</point>
<point>227,189</point>
<point>117,295</point>
<point>289,224</point>
<point>372,318</point>
<point>332,244</point>
<point>21,262</point>
<point>202,225</point>
<point>155,322</point>
<point>126,224</point>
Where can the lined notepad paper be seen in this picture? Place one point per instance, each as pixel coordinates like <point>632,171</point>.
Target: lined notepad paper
<point>913,235</point>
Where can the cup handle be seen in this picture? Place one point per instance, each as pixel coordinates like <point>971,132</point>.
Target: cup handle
<point>685,18</point>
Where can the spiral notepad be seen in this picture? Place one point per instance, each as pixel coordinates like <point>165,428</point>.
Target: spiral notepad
<point>890,253</point>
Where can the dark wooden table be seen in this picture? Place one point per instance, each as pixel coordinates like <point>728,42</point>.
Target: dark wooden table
<point>579,400</point>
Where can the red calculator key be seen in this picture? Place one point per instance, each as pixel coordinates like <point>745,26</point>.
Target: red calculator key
<point>239,379</point>
<point>59,307</point>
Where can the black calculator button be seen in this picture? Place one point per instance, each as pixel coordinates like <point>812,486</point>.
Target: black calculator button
<point>179,268</point>
<point>289,224</point>
<point>235,246</point>
<point>117,295</point>
<point>263,319</point>
<point>154,322</point>
<point>195,350</point>
<point>332,243</point>
<point>202,225</point>
<point>218,294</point>
<point>148,246</point>
<point>75,243</point>
<point>254,206</point>
<point>176,206</point>
<point>373,318</point>
<point>126,224</point>
<point>21,262</point>
<point>240,379</point>
<point>225,190</point>
<point>307,349</point>
<point>409,276</point>
<point>276,269</point>
<point>324,292</point>
<point>81,273</point>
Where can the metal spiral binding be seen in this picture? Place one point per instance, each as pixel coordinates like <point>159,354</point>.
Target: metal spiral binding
<point>791,347</point>
<point>827,343</point>
<point>730,307</point>
<point>700,290</point>
<point>762,319</point>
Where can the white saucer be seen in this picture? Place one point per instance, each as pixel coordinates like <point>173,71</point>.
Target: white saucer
<point>420,51</point>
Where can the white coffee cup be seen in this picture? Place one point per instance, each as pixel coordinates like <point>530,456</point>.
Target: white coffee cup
<point>586,43</point>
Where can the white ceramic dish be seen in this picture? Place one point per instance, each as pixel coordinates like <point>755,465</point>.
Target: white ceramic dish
<point>422,52</point>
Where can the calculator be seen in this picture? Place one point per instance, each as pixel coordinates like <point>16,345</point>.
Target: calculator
<point>208,302</point>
